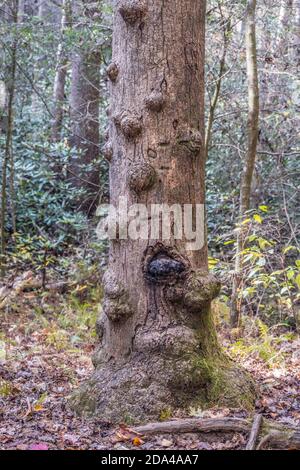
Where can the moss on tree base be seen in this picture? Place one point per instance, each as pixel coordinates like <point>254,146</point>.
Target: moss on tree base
<point>160,387</point>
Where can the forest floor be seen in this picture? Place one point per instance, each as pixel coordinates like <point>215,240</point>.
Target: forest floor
<point>46,343</point>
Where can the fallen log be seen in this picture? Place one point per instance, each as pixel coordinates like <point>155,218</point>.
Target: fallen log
<point>278,434</point>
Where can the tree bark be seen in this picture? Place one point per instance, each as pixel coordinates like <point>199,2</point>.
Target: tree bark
<point>281,43</point>
<point>61,74</point>
<point>8,156</point>
<point>159,351</point>
<point>248,166</point>
<point>84,113</point>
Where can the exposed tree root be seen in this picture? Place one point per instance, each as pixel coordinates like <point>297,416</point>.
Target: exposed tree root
<point>273,434</point>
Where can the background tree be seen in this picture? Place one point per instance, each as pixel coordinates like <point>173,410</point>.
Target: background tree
<point>8,158</point>
<point>248,168</point>
<point>61,73</point>
<point>84,107</point>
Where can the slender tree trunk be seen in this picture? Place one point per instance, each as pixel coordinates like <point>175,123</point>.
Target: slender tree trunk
<point>61,74</point>
<point>248,168</point>
<point>8,156</point>
<point>296,34</point>
<point>159,351</point>
<point>84,112</point>
<point>281,43</point>
<point>215,98</point>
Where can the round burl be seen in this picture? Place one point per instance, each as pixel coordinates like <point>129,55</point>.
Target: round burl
<point>132,10</point>
<point>131,125</point>
<point>141,177</point>
<point>112,71</point>
<point>155,101</point>
<point>116,305</point>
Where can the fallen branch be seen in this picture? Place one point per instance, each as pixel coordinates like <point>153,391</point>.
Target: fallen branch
<point>27,282</point>
<point>257,424</point>
<point>278,434</point>
<point>9,293</point>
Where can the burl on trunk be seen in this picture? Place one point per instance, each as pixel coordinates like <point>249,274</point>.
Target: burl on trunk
<point>159,351</point>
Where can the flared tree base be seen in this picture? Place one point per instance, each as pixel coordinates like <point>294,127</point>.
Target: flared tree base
<point>150,389</point>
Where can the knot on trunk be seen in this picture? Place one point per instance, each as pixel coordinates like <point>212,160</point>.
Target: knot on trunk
<point>107,151</point>
<point>132,10</point>
<point>141,177</point>
<point>112,71</point>
<point>117,309</point>
<point>152,153</point>
<point>199,289</point>
<point>130,124</point>
<point>155,101</point>
<point>191,139</point>
<point>116,305</point>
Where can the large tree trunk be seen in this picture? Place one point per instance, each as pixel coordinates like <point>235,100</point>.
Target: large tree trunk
<point>248,166</point>
<point>84,112</point>
<point>159,351</point>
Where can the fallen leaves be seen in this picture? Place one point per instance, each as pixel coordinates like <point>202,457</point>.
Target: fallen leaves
<point>37,377</point>
<point>125,434</point>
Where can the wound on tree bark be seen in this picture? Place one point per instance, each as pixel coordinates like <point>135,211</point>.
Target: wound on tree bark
<point>163,268</point>
<point>132,10</point>
<point>190,139</point>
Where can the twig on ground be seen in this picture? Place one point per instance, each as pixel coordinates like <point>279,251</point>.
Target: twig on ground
<point>256,427</point>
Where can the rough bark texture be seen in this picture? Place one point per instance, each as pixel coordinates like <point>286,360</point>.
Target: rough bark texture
<point>248,166</point>
<point>84,110</point>
<point>159,352</point>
